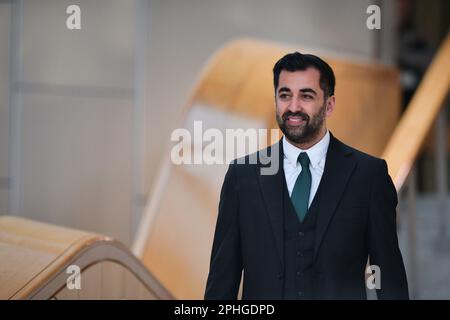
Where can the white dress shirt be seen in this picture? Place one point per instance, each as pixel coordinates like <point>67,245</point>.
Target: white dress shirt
<point>317,156</point>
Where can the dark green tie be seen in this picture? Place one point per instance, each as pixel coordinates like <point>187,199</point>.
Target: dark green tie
<point>302,187</point>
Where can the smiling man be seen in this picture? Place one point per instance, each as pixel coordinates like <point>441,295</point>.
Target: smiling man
<point>307,231</point>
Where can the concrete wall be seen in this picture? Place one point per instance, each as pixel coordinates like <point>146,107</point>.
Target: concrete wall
<point>5,86</point>
<point>73,129</point>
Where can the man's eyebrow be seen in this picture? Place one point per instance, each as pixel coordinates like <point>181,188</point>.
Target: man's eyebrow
<point>284,89</point>
<point>308,90</point>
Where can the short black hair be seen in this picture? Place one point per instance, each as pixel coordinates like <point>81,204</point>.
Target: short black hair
<point>299,62</point>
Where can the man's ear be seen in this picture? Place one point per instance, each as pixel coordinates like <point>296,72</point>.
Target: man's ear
<point>331,101</point>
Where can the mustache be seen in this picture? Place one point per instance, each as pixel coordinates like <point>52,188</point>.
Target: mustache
<point>303,115</point>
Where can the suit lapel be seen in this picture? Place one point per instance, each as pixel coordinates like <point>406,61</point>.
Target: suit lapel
<point>272,192</point>
<point>339,166</point>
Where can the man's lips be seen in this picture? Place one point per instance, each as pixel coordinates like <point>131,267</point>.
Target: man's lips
<point>295,120</point>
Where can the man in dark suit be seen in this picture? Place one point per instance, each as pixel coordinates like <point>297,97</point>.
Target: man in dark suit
<point>307,231</point>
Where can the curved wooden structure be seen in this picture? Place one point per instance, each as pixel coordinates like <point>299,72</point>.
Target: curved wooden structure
<point>235,91</point>
<point>411,132</point>
<point>35,258</point>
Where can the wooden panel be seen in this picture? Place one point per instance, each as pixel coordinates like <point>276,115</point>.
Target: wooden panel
<point>367,106</point>
<point>35,257</point>
<point>107,280</point>
<point>134,289</point>
<point>28,248</point>
<point>410,134</point>
<point>239,79</point>
<point>20,266</point>
<point>112,280</point>
<point>66,294</point>
<point>91,283</point>
<point>178,248</point>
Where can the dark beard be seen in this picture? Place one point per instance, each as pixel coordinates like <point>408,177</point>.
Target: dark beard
<point>304,134</point>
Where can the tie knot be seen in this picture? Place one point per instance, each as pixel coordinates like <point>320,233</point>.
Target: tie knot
<point>303,159</point>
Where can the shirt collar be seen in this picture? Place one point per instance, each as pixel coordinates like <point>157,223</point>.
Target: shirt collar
<point>316,153</point>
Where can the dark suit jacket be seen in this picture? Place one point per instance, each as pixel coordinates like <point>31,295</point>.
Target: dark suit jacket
<point>356,219</point>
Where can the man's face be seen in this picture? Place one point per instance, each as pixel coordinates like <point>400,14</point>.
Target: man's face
<point>301,108</point>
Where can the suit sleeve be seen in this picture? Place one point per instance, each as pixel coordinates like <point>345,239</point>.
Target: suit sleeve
<point>226,259</point>
<point>383,245</point>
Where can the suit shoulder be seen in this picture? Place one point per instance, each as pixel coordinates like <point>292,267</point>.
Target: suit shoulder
<point>363,157</point>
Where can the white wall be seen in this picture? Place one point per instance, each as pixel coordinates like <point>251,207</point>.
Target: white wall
<point>5,84</point>
<point>74,105</point>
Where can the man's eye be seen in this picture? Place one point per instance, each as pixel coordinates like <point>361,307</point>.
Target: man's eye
<point>283,96</point>
<point>307,96</point>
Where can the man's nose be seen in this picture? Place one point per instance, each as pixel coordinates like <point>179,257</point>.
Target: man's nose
<point>295,105</point>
